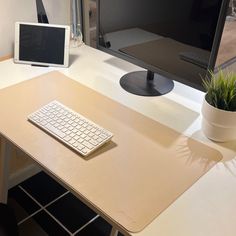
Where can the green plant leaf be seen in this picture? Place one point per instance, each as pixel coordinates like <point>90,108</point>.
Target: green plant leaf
<point>221,90</point>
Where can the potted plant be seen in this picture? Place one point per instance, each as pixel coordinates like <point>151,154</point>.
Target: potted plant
<point>219,106</point>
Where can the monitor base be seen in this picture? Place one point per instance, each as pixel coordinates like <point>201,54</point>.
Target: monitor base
<point>146,83</point>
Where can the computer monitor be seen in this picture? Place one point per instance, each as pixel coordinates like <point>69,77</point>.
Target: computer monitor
<point>172,39</point>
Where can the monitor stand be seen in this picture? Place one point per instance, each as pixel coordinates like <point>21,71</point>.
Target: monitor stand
<point>146,83</point>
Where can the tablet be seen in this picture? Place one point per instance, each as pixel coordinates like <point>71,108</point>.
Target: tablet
<point>42,44</point>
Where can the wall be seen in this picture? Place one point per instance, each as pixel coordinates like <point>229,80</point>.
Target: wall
<point>58,12</point>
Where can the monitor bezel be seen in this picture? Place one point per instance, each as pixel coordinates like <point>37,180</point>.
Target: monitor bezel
<point>17,44</point>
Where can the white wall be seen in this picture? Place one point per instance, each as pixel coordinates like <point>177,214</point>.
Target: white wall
<point>58,12</point>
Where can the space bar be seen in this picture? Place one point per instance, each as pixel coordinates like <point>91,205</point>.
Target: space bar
<point>55,130</point>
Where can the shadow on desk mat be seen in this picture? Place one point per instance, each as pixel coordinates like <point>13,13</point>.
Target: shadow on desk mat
<point>130,180</point>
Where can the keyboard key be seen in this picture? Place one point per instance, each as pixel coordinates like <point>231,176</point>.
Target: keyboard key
<point>55,130</point>
<point>80,140</point>
<point>85,125</point>
<point>74,124</point>
<point>99,140</point>
<point>80,146</point>
<point>86,132</point>
<point>82,129</point>
<point>93,142</point>
<point>89,127</point>
<point>72,141</point>
<point>68,132</point>
<point>87,144</point>
<point>102,136</point>
<point>67,138</point>
<point>43,122</point>
<point>97,132</point>
<point>85,150</point>
<point>75,144</point>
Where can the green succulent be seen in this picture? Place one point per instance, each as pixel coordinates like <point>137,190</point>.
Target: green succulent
<point>221,90</point>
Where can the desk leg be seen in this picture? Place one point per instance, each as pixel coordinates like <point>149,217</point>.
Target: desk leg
<point>114,232</point>
<point>4,169</point>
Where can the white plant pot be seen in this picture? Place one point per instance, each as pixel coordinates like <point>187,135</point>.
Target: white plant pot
<point>218,125</point>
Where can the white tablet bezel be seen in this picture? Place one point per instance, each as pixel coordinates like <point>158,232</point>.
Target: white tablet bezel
<point>66,45</point>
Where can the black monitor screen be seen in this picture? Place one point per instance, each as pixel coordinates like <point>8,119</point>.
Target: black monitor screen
<point>176,39</point>
<point>42,44</point>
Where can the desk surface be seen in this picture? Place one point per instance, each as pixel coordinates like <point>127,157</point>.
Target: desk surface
<point>208,207</point>
<point>131,179</point>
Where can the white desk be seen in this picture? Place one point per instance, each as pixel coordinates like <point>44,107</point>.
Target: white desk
<point>208,207</point>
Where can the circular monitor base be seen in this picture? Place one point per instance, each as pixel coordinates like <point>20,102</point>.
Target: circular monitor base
<point>137,83</point>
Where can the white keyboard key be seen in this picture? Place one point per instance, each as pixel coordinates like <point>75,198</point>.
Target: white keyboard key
<point>55,130</point>
<point>71,141</point>
<point>67,138</point>
<point>81,140</point>
<point>80,146</point>
<point>102,136</point>
<point>93,142</point>
<point>64,130</point>
<point>75,144</point>
<point>68,132</point>
<point>89,127</point>
<point>85,150</point>
<point>43,122</point>
<point>86,132</point>
<point>99,140</point>
<point>87,144</point>
<point>82,129</point>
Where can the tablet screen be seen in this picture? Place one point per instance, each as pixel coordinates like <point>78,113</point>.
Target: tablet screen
<point>42,44</point>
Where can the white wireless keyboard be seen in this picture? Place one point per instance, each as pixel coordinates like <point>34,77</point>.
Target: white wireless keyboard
<point>70,127</point>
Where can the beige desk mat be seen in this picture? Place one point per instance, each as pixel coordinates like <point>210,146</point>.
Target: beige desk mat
<point>130,180</point>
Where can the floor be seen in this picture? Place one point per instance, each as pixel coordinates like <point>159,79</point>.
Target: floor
<point>43,207</point>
